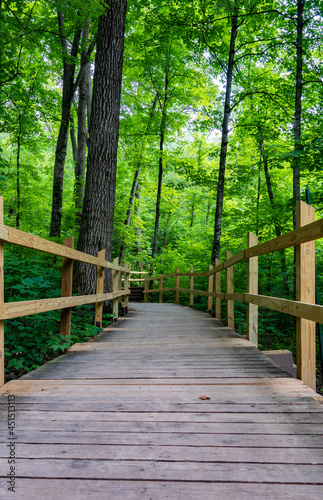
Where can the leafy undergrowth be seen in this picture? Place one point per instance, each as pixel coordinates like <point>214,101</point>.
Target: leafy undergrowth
<point>31,341</point>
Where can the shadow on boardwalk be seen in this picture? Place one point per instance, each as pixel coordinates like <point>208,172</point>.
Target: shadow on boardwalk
<point>120,417</point>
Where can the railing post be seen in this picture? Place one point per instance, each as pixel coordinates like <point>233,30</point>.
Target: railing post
<point>217,287</point>
<point>305,292</point>
<point>99,289</point>
<point>140,275</point>
<point>229,283</point>
<point>67,281</point>
<point>1,300</point>
<point>147,282</point>
<point>161,290</point>
<point>252,309</point>
<point>177,287</point>
<point>210,290</point>
<point>120,286</point>
<point>126,288</point>
<point>115,288</point>
<point>191,286</point>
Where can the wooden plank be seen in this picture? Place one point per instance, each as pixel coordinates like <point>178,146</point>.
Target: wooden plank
<point>177,286</point>
<point>187,416</point>
<point>2,380</point>
<point>11,310</point>
<point>229,287</point>
<point>96,489</point>
<point>294,308</point>
<point>305,292</point>
<point>115,287</point>
<point>20,238</point>
<point>170,439</point>
<point>67,282</point>
<point>99,290</point>
<point>191,286</point>
<point>252,287</point>
<point>184,471</point>
<point>165,453</point>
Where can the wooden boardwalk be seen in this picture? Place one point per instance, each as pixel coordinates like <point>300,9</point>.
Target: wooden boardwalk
<point>120,417</point>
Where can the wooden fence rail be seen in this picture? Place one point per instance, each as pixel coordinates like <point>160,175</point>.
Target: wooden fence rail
<point>66,301</point>
<point>304,308</point>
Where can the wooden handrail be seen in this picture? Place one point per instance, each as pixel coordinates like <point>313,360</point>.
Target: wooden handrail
<point>304,309</point>
<point>66,301</point>
<point>27,240</point>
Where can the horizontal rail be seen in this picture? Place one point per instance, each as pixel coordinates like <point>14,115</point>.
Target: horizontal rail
<point>161,290</point>
<point>11,310</point>
<point>27,240</point>
<point>295,308</point>
<point>304,234</point>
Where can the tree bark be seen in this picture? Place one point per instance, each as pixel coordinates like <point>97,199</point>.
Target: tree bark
<point>61,146</point>
<point>81,131</point>
<point>159,188</point>
<point>129,211</point>
<point>98,207</point>
<point>224,141</point>
<point>276,224</point>
<point>134,186</point>
<point>73,139</point>
<point>138,229</point>
<point>18,174</point>
<point>298,106</point>
<point>69,88</point>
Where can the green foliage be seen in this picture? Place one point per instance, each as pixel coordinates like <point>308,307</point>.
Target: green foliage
<point>31,341</point>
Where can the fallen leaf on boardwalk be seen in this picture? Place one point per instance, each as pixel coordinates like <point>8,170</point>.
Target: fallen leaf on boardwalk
<point>204,397</point>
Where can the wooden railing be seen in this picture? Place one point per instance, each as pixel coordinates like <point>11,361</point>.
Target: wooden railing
<point>304,308</point>
<point>66,301</point>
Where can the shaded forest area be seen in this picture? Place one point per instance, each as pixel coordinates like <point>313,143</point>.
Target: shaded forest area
<point>161,131</point>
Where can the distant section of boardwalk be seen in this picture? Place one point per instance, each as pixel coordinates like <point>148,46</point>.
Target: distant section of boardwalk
<point>120,417</point>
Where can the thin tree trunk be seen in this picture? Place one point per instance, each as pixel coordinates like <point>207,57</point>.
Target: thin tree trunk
<point>138,229</point>
<point>129,211</point>
<point>69,88</point>
<point>61,146</point>
<point>81,132</point>
<point>224,141</point>
<point>98,207</point>
<point>192,211</point>
<point>18,174</point>
<point>276,224</point>
<point>73,139</point>
<point>298,105</point>
<point>165,232</point>
<point>207,217</point>
<point>135,184</point>
<point>258,199</point>
<point>159,189</point>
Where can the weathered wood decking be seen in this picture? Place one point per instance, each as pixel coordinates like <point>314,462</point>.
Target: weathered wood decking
<point>121,418</point>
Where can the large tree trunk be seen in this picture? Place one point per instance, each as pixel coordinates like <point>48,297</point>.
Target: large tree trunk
<point>98,206</point>
<point>224,142</point>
